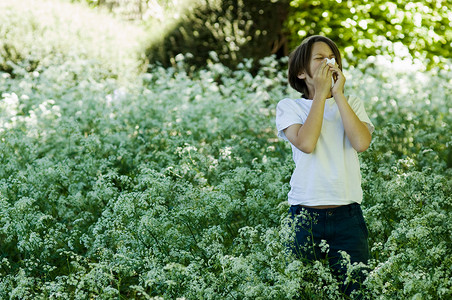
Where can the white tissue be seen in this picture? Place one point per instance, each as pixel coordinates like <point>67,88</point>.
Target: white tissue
<point>331,61</point>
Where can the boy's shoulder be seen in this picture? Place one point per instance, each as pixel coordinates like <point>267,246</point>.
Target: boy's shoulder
<point>286,101</point>
<point>352,98</point>
<point>287,104</point>
<point>291,102</point>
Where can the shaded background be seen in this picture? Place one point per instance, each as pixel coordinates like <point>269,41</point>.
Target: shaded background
<point>253,29</point>
<point>237,29</point>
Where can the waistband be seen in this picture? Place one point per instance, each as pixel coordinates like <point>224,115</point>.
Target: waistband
<point>349,209</point>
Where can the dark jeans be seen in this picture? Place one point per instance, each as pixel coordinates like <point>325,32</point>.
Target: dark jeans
<point>343,228</point>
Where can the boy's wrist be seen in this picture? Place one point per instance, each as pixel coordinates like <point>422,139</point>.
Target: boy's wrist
<point>338,95</point>
<point>321,96</point>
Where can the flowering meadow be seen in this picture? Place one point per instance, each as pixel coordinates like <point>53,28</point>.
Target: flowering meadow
<point>174,186</point>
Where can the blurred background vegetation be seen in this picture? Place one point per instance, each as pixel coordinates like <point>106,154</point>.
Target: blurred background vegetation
<point>232,29</point>
<point>237,29</point>
<point>150,32</point>
<point>35,35</point>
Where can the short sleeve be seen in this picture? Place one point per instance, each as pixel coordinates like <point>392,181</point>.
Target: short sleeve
<point>288,112</point>
<point>358,107</point>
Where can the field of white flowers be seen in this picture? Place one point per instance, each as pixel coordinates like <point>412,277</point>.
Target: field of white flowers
<point>173,185</point>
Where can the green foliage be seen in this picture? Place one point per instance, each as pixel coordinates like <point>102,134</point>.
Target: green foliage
<point>233,29</point>
<point>175,186</point>
<point>254,29</point>
<point>420,29</point>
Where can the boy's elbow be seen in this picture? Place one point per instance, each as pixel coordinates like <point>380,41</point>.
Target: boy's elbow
<point>362,148</point>
<point>363,143</point>
<point>306,148</point>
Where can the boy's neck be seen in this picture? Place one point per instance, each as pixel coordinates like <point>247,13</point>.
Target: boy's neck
<point>311,96</point>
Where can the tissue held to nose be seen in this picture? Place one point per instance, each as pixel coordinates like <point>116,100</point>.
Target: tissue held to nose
<point>331,61</point>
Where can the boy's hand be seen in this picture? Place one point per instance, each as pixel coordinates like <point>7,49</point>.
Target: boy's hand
<point>338,87</point>
<point>322,80</point>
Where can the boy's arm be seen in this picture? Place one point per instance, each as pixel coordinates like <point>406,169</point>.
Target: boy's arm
<point>305,136</point>
<point>357,132</point>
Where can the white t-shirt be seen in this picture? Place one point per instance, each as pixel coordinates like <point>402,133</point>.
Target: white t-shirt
<point>330,175</point>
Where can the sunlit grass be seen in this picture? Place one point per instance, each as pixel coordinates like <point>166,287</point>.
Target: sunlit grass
<point>52,31</point>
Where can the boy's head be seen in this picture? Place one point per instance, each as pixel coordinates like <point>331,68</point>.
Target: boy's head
<point>300,61</point>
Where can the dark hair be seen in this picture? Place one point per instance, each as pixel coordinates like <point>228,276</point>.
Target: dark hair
<point>300,58</point>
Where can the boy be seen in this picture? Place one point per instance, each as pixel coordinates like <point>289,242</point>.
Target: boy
<point>326,130</point>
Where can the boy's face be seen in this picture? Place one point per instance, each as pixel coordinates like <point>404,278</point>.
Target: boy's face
<point>319,52</point>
